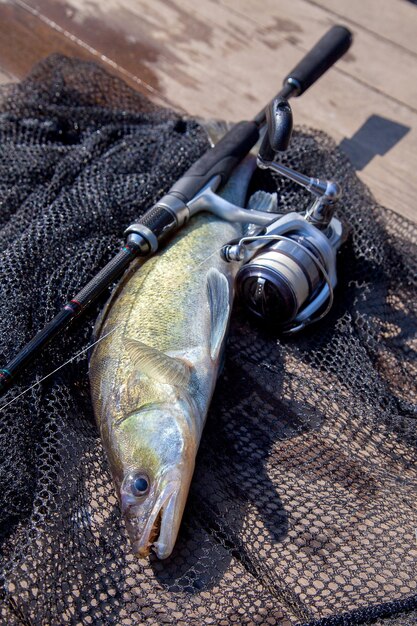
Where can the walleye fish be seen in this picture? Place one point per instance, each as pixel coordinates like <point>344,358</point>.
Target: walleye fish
<point>153,374</point>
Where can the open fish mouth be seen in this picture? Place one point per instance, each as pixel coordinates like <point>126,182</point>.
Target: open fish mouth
<point>159,532</point>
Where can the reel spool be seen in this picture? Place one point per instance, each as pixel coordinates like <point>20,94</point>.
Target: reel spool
<point>289,271</point>
<point>278,281</point>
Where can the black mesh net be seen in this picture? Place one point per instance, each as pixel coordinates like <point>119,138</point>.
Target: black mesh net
<point>303,504</point>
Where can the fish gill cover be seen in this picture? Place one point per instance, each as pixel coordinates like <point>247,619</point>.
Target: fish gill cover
<point>302,509</point>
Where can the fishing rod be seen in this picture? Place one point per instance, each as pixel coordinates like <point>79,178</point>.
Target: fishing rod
<point>194,192</point>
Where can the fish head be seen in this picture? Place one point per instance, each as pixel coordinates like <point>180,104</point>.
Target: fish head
<point>156,463</point>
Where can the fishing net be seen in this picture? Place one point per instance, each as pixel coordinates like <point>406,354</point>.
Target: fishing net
<point>302,509</point>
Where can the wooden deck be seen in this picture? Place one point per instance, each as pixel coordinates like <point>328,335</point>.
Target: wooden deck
<point>226,58</point>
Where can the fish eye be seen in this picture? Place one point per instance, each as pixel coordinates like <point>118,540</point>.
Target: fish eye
<point>139,485</point>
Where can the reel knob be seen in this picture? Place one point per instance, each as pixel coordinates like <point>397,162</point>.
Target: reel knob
<point>279,129</point>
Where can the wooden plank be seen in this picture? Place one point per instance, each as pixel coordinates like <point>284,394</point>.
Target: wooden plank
<point>225,59</point>
<point>6,77</point>
<point>178,34</point>
<point>25,39</point>
<point>373,60</point>
<point>395,20</point>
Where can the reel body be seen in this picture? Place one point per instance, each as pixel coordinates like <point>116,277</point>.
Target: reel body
<point>289,271</point>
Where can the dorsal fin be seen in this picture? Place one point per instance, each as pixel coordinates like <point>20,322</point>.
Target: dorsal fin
<point>218,299</point>
<point>158,365</point>
<point>263,201</point>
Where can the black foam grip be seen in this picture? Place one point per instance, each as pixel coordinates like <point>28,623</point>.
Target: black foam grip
<point>325,53</point>
<point>218,161</point>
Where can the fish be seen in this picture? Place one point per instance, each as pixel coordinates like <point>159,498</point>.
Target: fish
<point>154,368</point>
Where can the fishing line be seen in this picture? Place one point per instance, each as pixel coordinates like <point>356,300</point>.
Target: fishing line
<point>87,347</point>
<point>207,258</point>
<point>60,367</point>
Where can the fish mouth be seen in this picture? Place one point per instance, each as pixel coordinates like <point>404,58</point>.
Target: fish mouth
<point>160,531</point>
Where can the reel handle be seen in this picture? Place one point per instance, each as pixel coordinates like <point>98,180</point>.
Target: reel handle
<point>279,129</point>
<point>325,53</point>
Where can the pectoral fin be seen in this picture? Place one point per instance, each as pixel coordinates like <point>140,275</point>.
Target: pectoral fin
<point>218,298</point>
<point>158,365</point>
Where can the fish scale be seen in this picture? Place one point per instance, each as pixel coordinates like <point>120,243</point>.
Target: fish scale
<point>164,303</point>
<point>153,375</point>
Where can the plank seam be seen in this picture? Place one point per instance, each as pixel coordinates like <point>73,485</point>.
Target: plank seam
<point>375,89</point>
<point>361,27</point>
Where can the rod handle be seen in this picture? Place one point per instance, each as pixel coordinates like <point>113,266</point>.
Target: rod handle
<point>327,51</point>
<point>218,161</point>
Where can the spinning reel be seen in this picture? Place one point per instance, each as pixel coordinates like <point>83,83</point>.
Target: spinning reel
<point>289,270</point>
